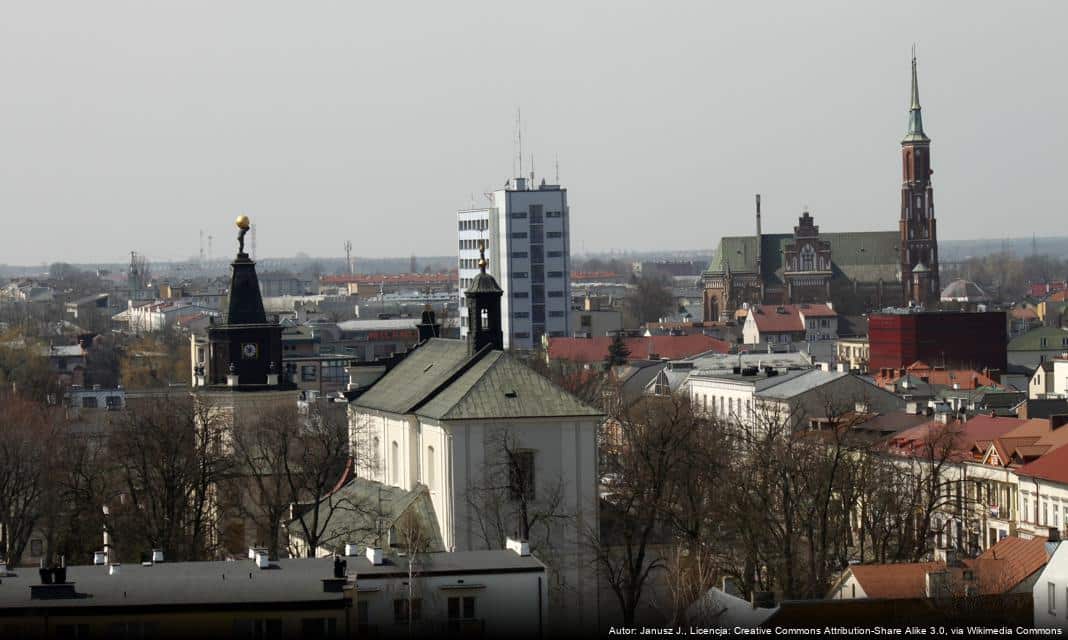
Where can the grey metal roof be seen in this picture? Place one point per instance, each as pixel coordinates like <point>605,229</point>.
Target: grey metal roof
<point>378,325</point>
<point>419,374</point>
<point>760,381</point>
<point>440,380</point>
<point>721,365</point>
<point>465,562</point>
<point>500,386</point>
<point>796,385</point>
<point>964,291</point>
<point>483,283</point>
<point>188,583</point>
<point>287,580</point>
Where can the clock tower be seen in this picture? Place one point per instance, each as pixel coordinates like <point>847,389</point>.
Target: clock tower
<point>918,243</point>
<point>245,351</point>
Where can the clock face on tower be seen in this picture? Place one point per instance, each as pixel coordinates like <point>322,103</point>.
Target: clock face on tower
<point>250,351</point>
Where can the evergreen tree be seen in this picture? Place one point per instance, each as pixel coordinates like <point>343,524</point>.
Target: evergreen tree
<point>618,353</point>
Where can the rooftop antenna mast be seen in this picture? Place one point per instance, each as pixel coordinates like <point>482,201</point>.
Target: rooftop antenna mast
<point>209,247</point>
<point>519,142</point>
<point>348,256</point>
<point>556,163</point>
<point>201,248</point>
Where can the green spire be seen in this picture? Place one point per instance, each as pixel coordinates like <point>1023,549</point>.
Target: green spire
<point>915,130</point>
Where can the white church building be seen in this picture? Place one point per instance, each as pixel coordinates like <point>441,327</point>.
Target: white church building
<point>502,451</point>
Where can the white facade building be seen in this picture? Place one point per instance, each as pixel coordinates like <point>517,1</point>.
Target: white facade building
<point>441,419</point>
<point>493,593</point>
<point>528,245</point>
<point>1050,591</point>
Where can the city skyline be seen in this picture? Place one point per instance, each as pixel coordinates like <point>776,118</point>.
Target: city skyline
<point>133,128</point>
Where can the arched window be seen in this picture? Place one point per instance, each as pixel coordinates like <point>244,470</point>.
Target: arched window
<point>394,464</point>
<point>808,258</point>
<point>431,475</point>
<point>376,451</point>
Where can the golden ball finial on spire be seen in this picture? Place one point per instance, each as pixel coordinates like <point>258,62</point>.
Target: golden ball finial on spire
<point>482,262</point>
<point>243,222</point>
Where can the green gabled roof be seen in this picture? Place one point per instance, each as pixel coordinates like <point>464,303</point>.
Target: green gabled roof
<point>416,377</point>
<point>353,513</point>
<point>1032,340</point>
<point>500,386</point>
<point>865,256</point>
<point>739,251</point>
<point>440,380</point>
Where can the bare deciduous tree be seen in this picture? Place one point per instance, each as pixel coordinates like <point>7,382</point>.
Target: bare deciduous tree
<point>172,458</point>
<point>314,464</point>
<point>27,437</point>
<point>647,474</point>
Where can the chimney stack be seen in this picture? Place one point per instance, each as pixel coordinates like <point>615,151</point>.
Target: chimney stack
<point>521,547</point>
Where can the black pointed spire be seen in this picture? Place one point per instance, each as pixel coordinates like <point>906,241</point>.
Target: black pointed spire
<point>244,302</point>
<point>245,351</point>
<point>484,309</point>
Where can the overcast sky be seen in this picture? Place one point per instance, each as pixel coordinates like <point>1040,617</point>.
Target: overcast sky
<point>134,125</point>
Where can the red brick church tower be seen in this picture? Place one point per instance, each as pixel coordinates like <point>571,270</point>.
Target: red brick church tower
<point>919,243</point>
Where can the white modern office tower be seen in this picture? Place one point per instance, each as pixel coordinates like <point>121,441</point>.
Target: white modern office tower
<point>528,246</point>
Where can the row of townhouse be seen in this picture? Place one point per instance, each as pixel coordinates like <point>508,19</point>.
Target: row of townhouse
<point>1002,477</point>
<point>161,315</point>
<point>376,593</point>
<point>756,396</point>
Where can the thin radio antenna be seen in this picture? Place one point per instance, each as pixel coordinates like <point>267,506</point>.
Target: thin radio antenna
<point>556,162</point>
<point>519,142</point>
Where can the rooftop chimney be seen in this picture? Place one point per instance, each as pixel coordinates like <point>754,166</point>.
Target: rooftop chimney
<point>374,555</point>
<point>157,555</point>
<point>113,569</point>
<point>340,567</point>
<point>521,547</point>
<point>763,600</point>
<point>351,550</point>
<point>262,560</point>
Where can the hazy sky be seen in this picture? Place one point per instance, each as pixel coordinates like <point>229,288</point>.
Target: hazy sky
<point>134,125</point>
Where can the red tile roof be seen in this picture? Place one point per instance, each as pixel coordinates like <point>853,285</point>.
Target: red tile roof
<point>1009,562</point>
<point>1032,439</point>
<point>769,319</point>
<point>964,378</point>
<point>594,276</point>
<point>393,278</point>
<point>817,311</point>
<point>1052,466</point>
<point>967,437</point>
<point>671,347</point>
<point>1042,288</point>
<point>896,581</point>
<point>999,569</point>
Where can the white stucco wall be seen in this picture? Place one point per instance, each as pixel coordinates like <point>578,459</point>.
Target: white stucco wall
<point>1050,592</point>
<point>849,589</point>
<point>565,452</point>
<point>507,603</point>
